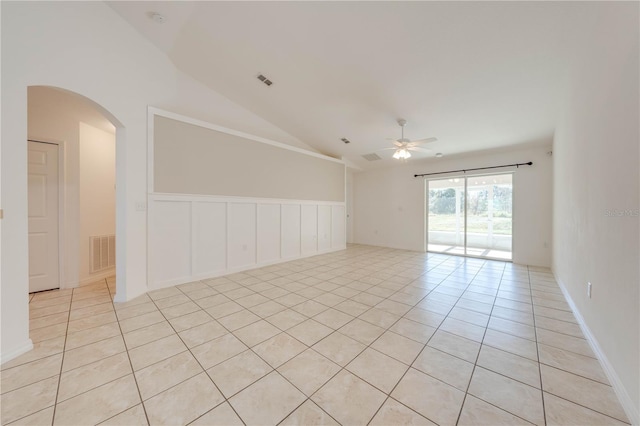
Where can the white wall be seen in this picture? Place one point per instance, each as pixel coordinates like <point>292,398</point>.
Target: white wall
<point>97,194</point>
<point>197,234</point>
<point>596,175</point>
<point>196,157</point>
<point>390,205</point>
<point>85,47</point>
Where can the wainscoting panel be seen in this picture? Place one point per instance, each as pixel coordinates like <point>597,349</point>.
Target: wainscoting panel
<point>291,227</point>
<point>324,228</point>
<point>268,232</point>
<point>210,247</point>
<point>172,243</point>
<point>241,237</point>
<point>193,237</point>
<point>338,227</point>
<point>309,229</point>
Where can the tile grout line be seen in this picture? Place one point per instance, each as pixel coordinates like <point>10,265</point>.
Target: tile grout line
<point>426,344</point>
<point>485,327</point>
<point>133,372</point>
<point>64,350</point>
<point>397,287</point>
<point>475,364</point>
<point>258,355</point>
<point>310,347</point>
<point>370,307</point>
<point>535,331</point>
<point>204,370</point>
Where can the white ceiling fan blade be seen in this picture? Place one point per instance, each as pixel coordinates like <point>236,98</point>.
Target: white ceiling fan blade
<point>422,141</point>
<point>398,144</point>
<point>418,149</point>
<point>385,149</point>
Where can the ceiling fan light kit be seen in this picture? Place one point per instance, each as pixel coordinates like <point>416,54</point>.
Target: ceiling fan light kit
<point>402,154</point>
<point>403,146</point>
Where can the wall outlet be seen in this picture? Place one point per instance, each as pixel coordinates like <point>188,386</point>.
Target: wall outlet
<point>141,206</point>
<point>589,290</point>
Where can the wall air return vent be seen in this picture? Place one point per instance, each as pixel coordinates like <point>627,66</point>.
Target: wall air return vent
<point>265,80</point>
<point>103,253</point>
<point>372,157</point>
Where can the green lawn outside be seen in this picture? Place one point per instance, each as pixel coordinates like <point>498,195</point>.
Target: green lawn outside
<point>477,224</point>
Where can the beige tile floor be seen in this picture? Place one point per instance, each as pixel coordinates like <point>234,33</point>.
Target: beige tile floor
<point>362,336</point>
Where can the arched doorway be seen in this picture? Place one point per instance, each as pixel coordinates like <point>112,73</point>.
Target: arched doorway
<point>82,138</point>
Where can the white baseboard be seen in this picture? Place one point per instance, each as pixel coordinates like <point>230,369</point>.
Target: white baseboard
<point>630,409</point>
<point>98,276</point>
<point>15,352</point>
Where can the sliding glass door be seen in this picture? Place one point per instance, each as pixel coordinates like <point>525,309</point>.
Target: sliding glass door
<point>471,216</point>
<point>446,216</point>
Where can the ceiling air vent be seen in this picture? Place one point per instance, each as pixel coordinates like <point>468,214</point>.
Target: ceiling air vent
<point>345,140</point>
<point>372,157</point>
<point>265,80</point>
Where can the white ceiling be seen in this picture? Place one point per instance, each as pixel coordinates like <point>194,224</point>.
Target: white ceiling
<point>476,75</point>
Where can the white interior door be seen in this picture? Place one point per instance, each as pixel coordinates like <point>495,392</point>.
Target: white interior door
<point>43,216</point>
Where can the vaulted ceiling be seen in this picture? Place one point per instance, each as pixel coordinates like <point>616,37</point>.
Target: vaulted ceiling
<point>476,75</point>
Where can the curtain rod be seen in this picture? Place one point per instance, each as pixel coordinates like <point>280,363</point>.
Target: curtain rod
<point>530,163</point>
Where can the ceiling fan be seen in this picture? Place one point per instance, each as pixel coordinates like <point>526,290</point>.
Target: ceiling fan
<point>403,146</point>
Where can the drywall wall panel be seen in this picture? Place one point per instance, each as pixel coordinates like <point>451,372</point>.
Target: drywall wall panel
<point>390,204</point>
<point>171,240</point>
<point>209,236</point>
<point>268,232</point>
<point>97,190</point>
<point>309,229</point>
<point>241,237</point>
<point>597,203</point>
<point>324,228</point>
<point>290,230</point>
<point>190,159</point>
<point>338,231</point>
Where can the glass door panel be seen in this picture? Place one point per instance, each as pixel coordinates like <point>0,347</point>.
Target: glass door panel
<point>471,216</point>
<point>489,216</point>
<point>446,228</point>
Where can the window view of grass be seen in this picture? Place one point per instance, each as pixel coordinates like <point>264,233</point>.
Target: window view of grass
<point>447,222</point>
<point>442,209</point>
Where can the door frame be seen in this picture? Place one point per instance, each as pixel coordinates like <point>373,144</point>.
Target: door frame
<point>466,176</point>
<point>61,204</point>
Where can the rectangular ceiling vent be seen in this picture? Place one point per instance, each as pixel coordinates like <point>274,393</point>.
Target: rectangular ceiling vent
<point>345,140</point>
<point>372,157</point>
<point>265,80</point>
